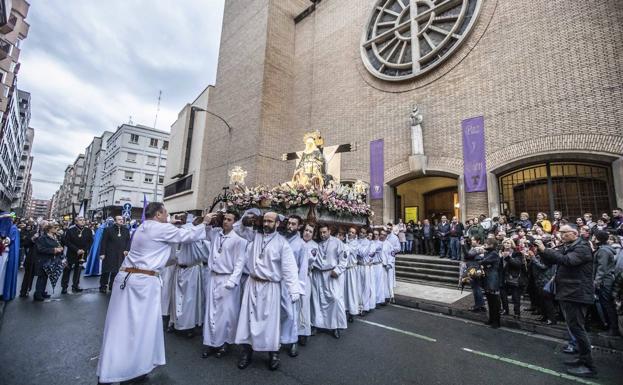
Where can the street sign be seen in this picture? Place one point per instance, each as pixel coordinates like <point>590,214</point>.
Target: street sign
<point>127,206</point>
<point>126,214</point>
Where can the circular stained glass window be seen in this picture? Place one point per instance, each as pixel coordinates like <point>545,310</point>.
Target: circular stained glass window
<point>406,38</point>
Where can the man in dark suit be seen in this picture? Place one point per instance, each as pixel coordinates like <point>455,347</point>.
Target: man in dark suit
<point>113,249</point>
<point>443,228</point>
<point>78,240</point>
<point>455,233</point>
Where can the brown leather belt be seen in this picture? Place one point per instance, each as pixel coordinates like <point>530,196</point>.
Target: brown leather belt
<point>134,270</point>
<point>256,278</point>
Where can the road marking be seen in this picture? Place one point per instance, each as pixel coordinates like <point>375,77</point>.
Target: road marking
<point>398,330</point>
<point>530,366</point>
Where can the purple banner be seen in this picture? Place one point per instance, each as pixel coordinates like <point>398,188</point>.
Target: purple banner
<point>474,165</point>
<point>377,169</point>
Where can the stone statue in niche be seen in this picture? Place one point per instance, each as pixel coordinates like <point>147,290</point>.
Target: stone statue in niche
<point>417,142</point>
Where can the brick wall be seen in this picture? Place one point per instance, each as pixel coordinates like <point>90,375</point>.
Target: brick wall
<point>545,75</point>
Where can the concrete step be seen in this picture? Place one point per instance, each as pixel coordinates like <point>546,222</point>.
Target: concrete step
<point>425,259</point>
<point>420,265</point>
<point>426,277</point>
<point>432,270</point>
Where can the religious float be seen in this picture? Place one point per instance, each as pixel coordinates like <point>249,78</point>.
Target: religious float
<point>313,194</point>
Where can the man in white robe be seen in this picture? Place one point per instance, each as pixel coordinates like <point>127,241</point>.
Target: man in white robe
<point>379,274</point>
<point>364,269</point>
<point>133,340</point>
<point>310,252</point>
<point>351,275</point>
<point>269,261</point>
<point>327,305</point>
<point>188,285</point>
<point>387,256</point>
<point>392,237</point>
<point>227,257</point>
<point>290,311</point>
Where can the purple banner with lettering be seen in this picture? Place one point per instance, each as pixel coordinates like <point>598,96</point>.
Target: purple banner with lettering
<point>474,165</point>
<point>377,169</point>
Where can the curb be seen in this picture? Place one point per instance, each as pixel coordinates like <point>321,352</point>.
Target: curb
<point>529,327</point>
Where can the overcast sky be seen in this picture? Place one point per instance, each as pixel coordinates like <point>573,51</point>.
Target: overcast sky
<point>91,64</point>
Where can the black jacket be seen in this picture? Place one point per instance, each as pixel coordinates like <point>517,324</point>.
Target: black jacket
<point>574,278</point>
<point>77,239</point>
<point>45,246</point>
<point>115,240</point>
<point>491,264</point>
<point>515,269</point>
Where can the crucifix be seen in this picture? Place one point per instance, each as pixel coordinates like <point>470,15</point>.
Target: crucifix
<point>317,165</point>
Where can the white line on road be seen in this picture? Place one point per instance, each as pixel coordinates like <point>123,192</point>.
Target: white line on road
<point>530,366</point>
<point>398,330</point>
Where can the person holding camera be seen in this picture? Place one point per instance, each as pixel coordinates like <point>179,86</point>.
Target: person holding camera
<point>472,264</point>
<point>514,268</point>
<point>574,292</point>
<point>604,280</point>
<point>491,284</point>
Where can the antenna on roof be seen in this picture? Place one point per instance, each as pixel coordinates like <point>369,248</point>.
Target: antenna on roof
<point>130,122</point>
<point>158,108</point>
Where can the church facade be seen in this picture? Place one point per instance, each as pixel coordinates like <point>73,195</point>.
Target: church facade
<point>451,107</point>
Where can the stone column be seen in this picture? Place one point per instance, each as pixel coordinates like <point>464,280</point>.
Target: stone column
<point>493,195</point>
<point>617,178</point>
<point>389,195</point>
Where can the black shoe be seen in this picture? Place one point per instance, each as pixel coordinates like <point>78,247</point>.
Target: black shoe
<point>245,359</point>
<point>336,334</point>
<point>313,331</point>
<point>170,329</point>
<point>46,295</point>
<point>574,362</point>
<point>582,371</point>
<point>494,325</point>
<point>550,323</point>
<point>569,350</point>
<point>350,319</point>
<point>505,312</point>
<point>273,362</point>
<point>302,340</point>
<point>293,351</point>
<point>207,352</point>
<point>23,295</point>
<point>363,313</point>
<point>221,351</point>
<point>38,298</point>
<point>190,333</point>
<point>103,290</point>
<point>135,380</point>
<point>64,291</point>
<point>76,290</point>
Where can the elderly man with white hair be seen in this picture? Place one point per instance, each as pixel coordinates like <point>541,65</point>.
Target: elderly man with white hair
<point>574,292</point>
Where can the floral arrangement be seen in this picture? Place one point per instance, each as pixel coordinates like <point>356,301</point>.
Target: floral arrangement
<point>339,199</point>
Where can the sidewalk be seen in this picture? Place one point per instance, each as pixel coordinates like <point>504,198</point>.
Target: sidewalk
<point>454,303</point>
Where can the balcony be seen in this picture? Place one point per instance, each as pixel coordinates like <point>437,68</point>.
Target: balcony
<point>9,26</point>
<point>21,7</point>
<point>5,49</point>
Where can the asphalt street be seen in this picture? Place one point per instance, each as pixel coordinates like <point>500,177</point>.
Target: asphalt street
<point>58,341</point>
